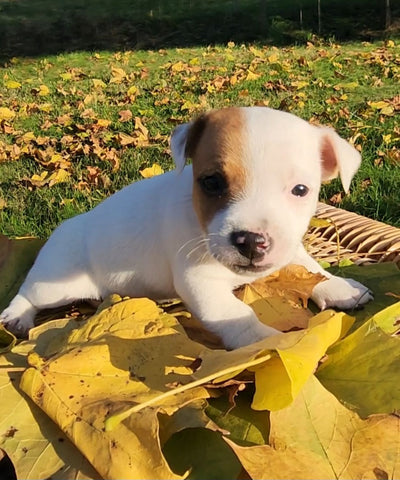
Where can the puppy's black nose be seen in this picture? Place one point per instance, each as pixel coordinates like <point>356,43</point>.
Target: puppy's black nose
<point>251,245</point>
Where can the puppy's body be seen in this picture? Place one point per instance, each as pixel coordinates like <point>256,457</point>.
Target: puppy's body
<point>238,214</point>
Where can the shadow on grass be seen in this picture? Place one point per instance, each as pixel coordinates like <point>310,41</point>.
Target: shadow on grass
<point>43,27</point>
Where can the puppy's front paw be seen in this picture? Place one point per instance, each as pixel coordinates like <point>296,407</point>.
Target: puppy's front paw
<point>342,293</point>
<point>19,316</point>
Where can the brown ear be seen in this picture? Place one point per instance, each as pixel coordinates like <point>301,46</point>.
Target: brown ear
<point>194,134</point>
<point>338,158</point>
<point>184,140</point>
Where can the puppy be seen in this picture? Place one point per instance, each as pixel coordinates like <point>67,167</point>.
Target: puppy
<point>238,213</point>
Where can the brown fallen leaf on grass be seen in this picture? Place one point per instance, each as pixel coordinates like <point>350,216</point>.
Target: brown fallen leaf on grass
<point>125,116</point>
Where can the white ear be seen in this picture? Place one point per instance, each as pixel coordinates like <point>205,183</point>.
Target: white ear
<point>178,145</point>
<point>339,158</point>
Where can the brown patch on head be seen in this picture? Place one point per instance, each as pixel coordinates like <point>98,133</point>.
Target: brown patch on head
<point>215,145</point>
<point>330,167</point>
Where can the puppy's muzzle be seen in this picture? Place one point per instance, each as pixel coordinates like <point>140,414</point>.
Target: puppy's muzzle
<point>251,245</point>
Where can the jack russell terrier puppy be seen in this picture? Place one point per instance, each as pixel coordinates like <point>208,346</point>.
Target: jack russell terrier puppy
<point>239,212</point>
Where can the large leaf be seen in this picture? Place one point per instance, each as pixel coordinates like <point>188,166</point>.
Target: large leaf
<point>37,448</point>
<point>126,354</point>
<point>317,437</point>
<point>362,370</point>
<point>382,278</point>
<point>280,380</point>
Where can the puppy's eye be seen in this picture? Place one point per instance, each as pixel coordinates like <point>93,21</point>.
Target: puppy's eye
<point>300,190</point>
<point>213,185</point>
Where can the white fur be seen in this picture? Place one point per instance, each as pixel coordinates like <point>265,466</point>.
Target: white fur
<point>146,239</point>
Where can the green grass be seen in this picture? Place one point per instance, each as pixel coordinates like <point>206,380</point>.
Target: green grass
<point>326,83</point>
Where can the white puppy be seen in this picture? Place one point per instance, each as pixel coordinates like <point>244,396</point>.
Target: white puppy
<point>238,213</point>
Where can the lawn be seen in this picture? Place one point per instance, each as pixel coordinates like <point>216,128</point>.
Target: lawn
<point>76,127</point>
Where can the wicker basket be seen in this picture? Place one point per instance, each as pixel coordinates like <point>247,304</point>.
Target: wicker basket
<point>354,237</point>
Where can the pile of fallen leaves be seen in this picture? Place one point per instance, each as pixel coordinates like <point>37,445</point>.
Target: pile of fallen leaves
<point>139,390</point>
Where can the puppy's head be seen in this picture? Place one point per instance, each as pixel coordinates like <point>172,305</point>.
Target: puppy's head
<point>256,178</point>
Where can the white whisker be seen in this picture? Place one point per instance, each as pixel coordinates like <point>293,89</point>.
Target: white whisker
<point>197,247</point>
<point>195,239</point>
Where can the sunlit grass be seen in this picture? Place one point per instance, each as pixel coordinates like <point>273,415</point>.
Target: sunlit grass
<point>330,84</point>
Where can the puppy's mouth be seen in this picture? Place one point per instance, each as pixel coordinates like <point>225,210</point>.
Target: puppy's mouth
<point>241,260</point>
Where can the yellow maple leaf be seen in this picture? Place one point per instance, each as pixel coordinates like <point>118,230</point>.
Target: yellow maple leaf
<point>43,91</point>
<point>97,83</point>
<point>318,437</point>
<point>58,160</point>
<point>273,58</point>
<point>256,52</point>
<point>297,359</point>
<point>298,84</point>
<point>31,430</point>
<point>28,137</point>
<point>384,107</point>
<point>6,113</point>
<point>102,122</point>
<point>89,98</point>
<point>346,86</point>
<point>117,75</point>
<point>141,132</point>
<point>46,107</point>
<point>97,357</point>
<point>252,75</point>
<point>38,180</point>
<point>66,76</point>
<point>132,91</point>
<point>188,105</point>
<point>152,171</point>
<point>59,176</point>
<point>12,84</point>
<point>178,67</point>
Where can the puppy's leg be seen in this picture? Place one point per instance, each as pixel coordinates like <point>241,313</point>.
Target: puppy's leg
<point>19,315</point>
<point>210,298</point>
<point>38,293</point>
<point>57,278</point>
<point>342,293</point>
